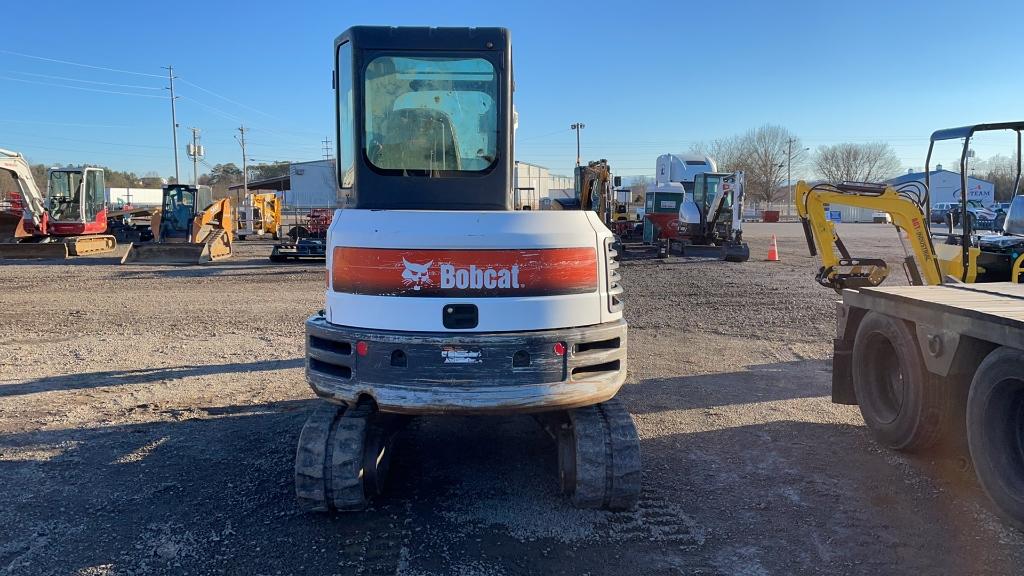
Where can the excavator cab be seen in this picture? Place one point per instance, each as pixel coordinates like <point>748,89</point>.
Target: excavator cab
<point>76,196</point>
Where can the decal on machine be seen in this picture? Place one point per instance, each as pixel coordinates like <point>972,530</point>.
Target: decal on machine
<point>465,273</point>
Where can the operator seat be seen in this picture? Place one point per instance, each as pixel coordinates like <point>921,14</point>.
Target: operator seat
<point>416,139</point>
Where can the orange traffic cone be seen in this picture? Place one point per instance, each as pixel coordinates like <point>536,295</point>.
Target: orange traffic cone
<point>773,250</point>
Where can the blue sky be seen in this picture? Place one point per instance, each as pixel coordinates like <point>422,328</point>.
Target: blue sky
<point>645,77</point>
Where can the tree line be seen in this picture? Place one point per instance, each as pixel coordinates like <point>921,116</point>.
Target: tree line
<point>219,177</point>
<point>767,153</point>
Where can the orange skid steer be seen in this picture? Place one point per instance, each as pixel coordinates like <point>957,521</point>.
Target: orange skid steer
<point>182,232</point>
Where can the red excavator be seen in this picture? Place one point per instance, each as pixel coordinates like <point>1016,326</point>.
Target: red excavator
<point>70,220</point>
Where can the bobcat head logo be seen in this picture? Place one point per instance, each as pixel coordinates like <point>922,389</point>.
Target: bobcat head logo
<point>416,275</point>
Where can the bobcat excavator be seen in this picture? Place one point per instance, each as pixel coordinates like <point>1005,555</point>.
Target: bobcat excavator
<point>441,298</point>
<point>711,218</point>
<point>70,220</point>
<point>182,232</point>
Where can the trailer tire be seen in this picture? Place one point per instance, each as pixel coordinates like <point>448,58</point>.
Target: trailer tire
<point>995,430</point>
<point>905,406</point>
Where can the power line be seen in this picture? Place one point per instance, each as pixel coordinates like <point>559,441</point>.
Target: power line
<point>81,88</point>
<point>70,79</point>
<point>226,99</point>
<point>94,67</point>
<point>213,109</point>
<point>65,124</point>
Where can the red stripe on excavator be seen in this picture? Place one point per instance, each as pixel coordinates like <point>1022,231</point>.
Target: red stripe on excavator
<point>464,273</point>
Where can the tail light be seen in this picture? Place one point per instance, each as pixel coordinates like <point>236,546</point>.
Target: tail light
<point>612,276</point>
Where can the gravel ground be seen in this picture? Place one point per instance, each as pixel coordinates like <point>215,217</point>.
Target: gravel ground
<point>149,415</point>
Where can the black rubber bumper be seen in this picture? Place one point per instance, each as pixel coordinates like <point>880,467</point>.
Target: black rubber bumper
<point>437,373</point>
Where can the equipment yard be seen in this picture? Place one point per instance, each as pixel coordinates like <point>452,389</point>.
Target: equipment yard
<point>149,417</point>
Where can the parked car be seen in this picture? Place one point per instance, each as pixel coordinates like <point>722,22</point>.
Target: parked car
<point>939,211</point>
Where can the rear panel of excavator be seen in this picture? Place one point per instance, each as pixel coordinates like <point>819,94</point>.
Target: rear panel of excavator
<point>190,228</point>
<point>443,299</point>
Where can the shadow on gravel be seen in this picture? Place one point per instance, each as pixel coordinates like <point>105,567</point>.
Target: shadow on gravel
<point>474,496</point>
<point>215,270</point>
<point>762,383</point>
<point>72,261</point>
<point>140,376</point>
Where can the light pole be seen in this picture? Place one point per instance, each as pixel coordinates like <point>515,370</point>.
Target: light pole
<point>577,127</point>
<point>789,178</point>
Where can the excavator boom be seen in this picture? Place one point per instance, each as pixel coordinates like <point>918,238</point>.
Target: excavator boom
<point>841,270</point>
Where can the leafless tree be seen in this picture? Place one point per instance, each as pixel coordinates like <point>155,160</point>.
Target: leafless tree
<point>1001,171</point>
<point>730,154</point>
<point>638,188</point>
<point>768,149</point>
<point>871,162</point>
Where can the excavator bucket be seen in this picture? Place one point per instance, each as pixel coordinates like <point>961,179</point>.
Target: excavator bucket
<point>216,247</point>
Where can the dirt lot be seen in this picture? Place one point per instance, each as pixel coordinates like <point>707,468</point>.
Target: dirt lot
<point>148,420</point>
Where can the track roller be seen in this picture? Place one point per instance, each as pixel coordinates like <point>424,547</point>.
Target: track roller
<point>343,457</point>
<point>599,457</point>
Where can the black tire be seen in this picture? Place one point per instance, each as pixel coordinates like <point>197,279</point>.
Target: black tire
<point>995,430</point>
<point>277,258</point>
<point>298,232</point>
<point>905,406</point>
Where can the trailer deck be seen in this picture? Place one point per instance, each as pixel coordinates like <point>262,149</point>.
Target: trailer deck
<point>992,311</point>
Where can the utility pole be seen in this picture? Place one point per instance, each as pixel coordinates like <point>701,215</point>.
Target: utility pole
<point>245,161</point>
<point>195,151</point>
<point>789,179</point>
<point>327,148</point>
<point>577,127</point>
<point>174,121</point>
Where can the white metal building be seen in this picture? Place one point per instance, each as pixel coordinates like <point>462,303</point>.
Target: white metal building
<point>312,185</point>
<point>535,186</point>
<point>139,197</point>
<point>945,186</point>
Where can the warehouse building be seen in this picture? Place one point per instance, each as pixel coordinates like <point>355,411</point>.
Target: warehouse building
<point>535,186</point>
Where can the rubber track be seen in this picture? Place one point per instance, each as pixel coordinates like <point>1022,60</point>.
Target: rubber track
<point>346,444</point>
<point>608,469</point>
<point>311,455</point>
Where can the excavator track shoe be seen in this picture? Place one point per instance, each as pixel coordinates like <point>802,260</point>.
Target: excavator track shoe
<point>342,458</point>
<point>599,457</point>
<point>84,245</point>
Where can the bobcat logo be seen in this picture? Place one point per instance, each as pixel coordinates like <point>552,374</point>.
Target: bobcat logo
<point>416,275</point>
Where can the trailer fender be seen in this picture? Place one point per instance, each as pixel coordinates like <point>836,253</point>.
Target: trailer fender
<point>847,320</point>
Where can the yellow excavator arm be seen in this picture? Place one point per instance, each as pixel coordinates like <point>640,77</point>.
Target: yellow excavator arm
<point>841,270</point>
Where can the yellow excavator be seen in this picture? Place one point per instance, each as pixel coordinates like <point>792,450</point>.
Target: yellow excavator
<point>929,262</point>
<point>182,232</point>
<point>962,257</point>
<point>593,190</point>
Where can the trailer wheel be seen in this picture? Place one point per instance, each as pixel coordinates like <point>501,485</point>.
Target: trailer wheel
<point>995,430</point>
<point>905,407</point>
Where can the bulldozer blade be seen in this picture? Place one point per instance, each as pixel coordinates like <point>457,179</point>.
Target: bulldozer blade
<point>169,253</point>
<point>29,250</point>
<point>83,245</point>
<point>11,227</point>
